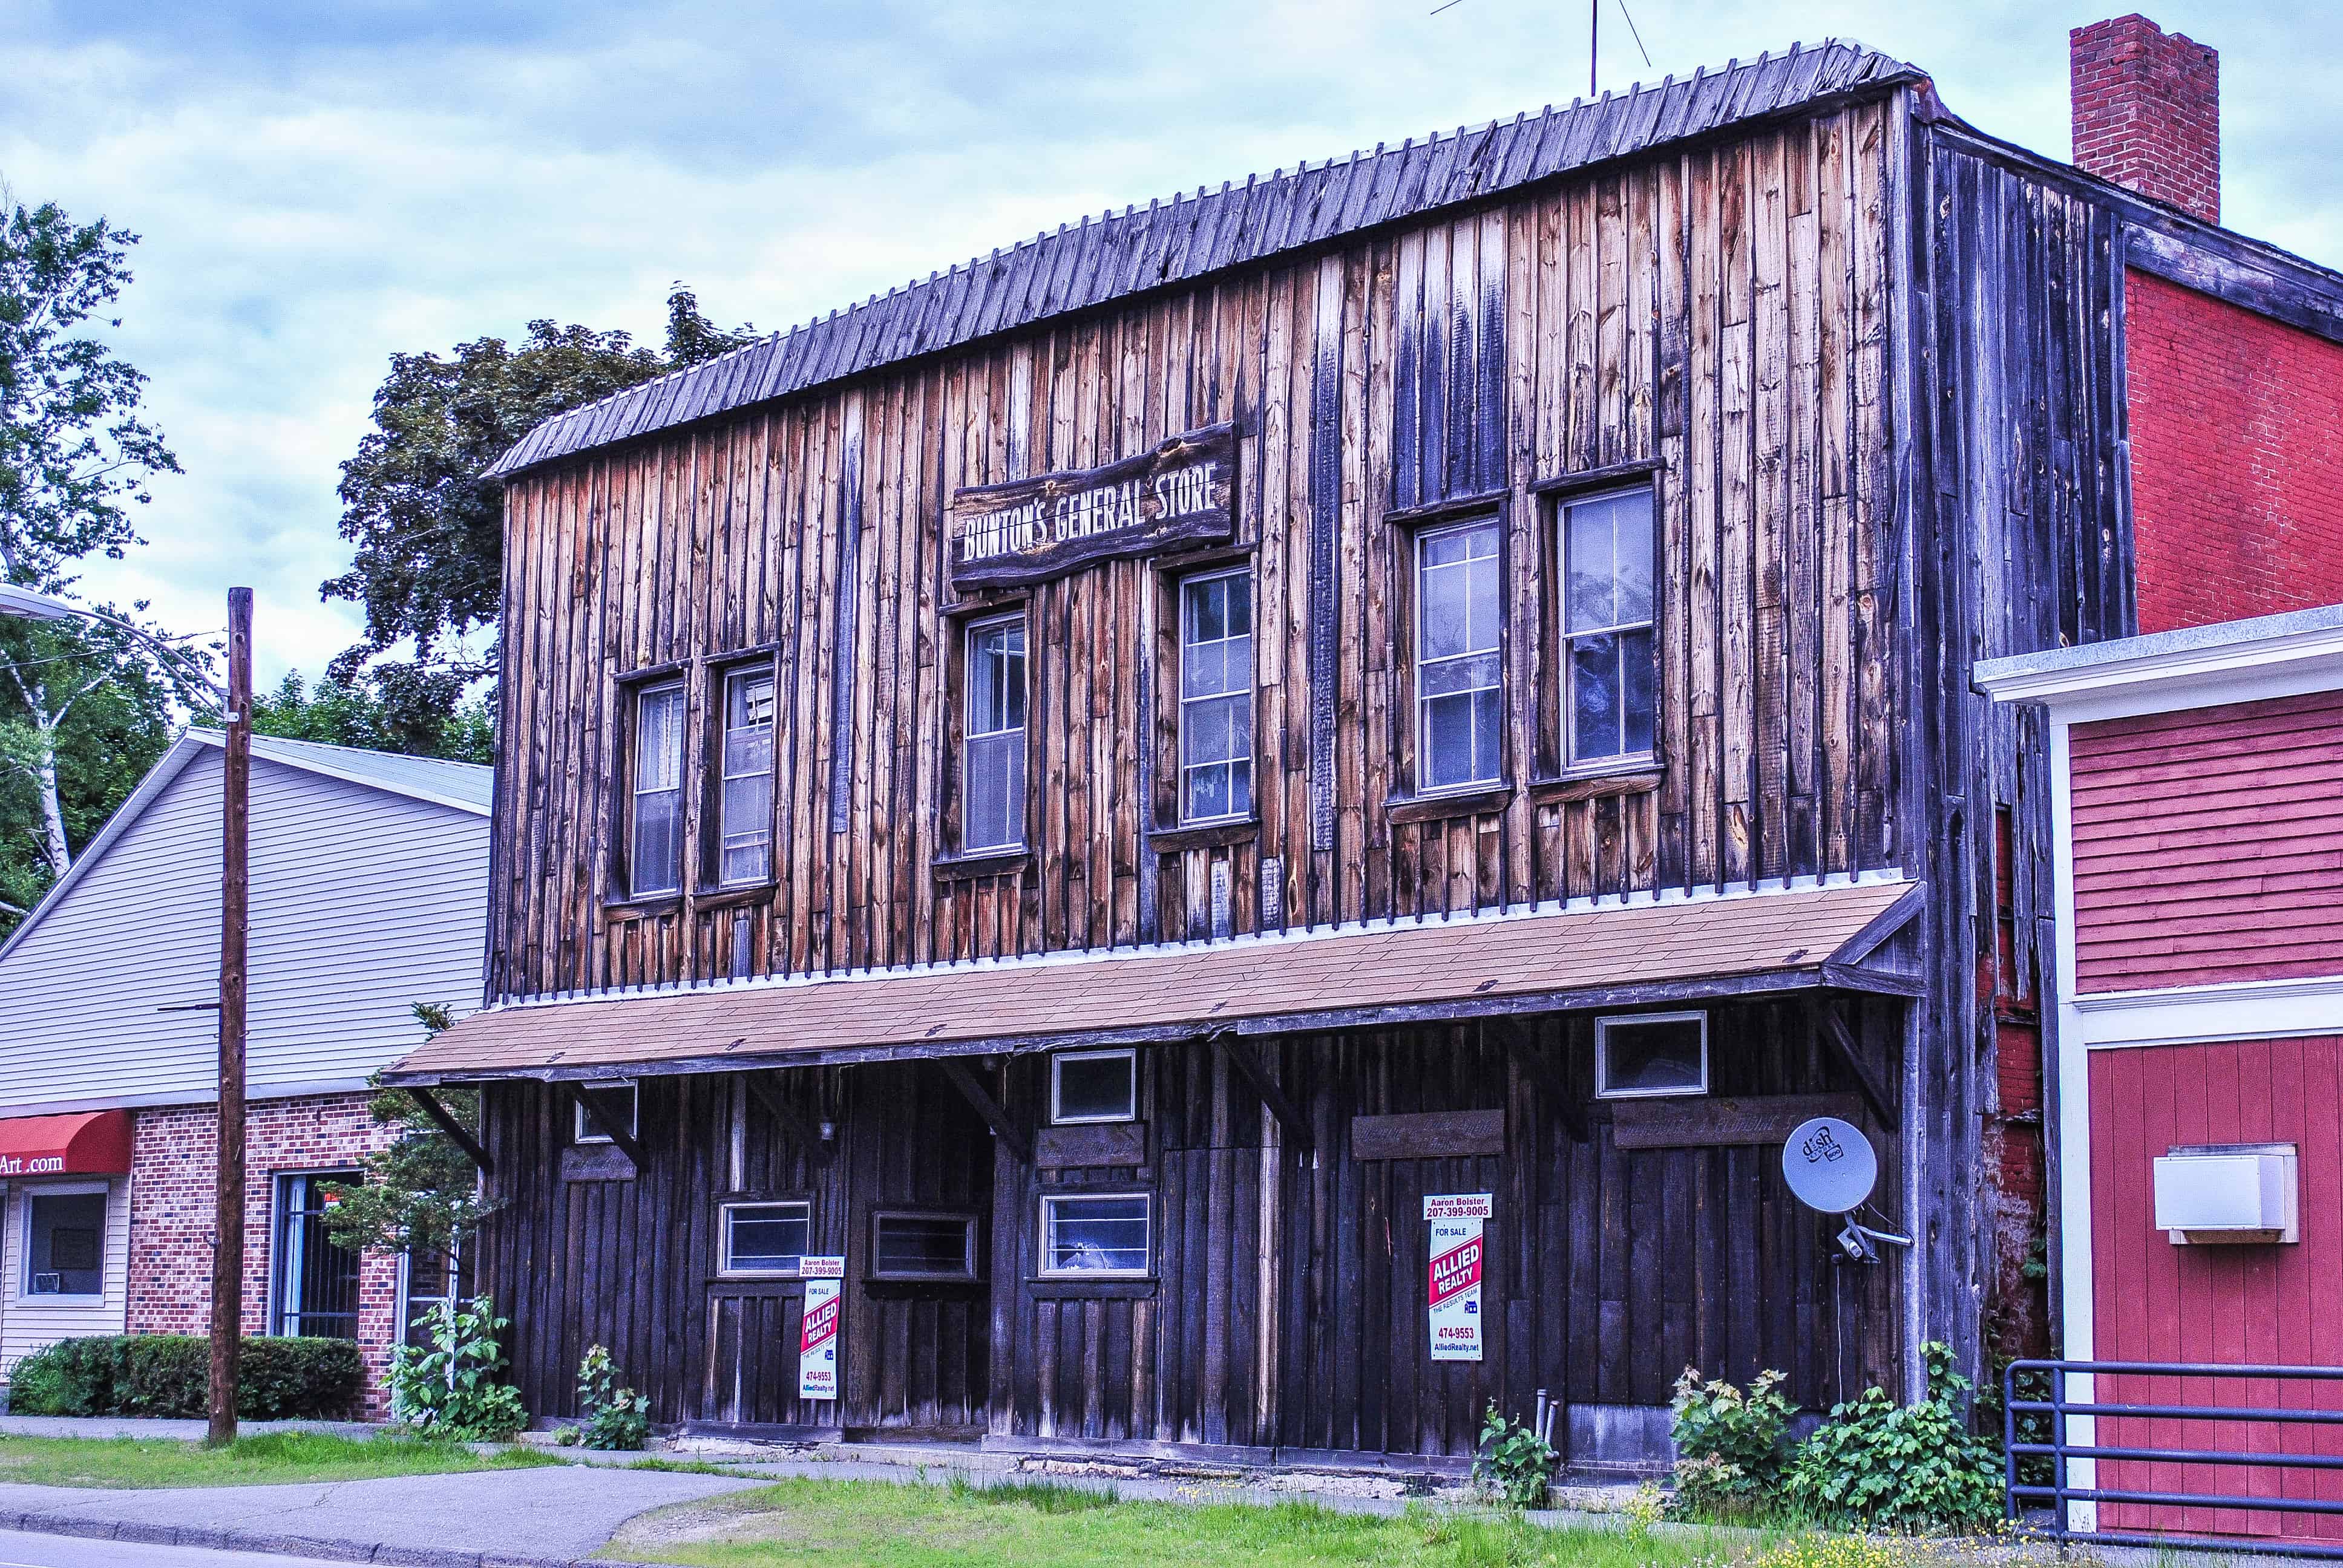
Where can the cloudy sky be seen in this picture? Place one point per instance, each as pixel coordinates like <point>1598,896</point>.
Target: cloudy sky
<point>321,185</point>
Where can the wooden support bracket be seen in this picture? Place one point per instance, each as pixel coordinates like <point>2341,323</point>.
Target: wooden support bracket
<point>1247,1066</point>
<point>806,1134</point>
<point>1833,1030</point>
<point>996,1115</point>
<point>1541,1071</point>
<point>618,1136</point>
<point>457,1133</point>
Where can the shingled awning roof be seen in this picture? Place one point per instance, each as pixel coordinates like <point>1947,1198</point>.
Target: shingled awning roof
<point>1124,254</point>
<point>1618,954</point>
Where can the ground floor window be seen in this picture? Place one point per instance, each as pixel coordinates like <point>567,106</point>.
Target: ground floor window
<point>921,1245</point>
<point>1653,1053</point>
<point>1094,1233</point>
<point>766,1238</point>
<point>315,1279</point>
<point>65,1244</point>
<point>429,1279</point>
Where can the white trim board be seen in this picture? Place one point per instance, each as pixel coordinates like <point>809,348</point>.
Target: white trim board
<point>2183,1015</point>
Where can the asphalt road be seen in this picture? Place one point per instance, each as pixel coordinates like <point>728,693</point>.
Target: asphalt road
<point>23,1550</point>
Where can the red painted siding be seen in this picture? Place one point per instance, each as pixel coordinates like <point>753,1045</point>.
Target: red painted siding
<point>2237,476</point>
<point>2208,845</point>
<point>2268,1303</point>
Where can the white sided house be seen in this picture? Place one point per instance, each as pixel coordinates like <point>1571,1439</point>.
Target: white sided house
<point>369,888</point>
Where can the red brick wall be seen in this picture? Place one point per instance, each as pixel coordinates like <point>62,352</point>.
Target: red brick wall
<point>2147,112</point>
<point>2237,473</point>
<point>171,1183</point>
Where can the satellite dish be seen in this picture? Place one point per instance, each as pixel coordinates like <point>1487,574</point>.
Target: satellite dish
<point>1830,1165</point>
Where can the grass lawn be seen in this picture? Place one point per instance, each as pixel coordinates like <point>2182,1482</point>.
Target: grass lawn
<point>268,1458</point>
<point>877,1524</point>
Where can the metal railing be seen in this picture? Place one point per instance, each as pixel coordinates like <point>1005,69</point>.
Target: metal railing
<point>2038,1434</point>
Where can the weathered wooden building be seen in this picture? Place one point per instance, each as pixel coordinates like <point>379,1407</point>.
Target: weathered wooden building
<point>1092,786</point>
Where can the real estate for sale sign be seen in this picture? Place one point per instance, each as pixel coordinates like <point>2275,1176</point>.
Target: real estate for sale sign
<point>1453,1292</point>
<point>818,1339</point>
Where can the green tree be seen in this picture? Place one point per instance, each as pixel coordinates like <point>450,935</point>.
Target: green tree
<point>81,722</point>
<point>83,709</point>
<point>428,527</point>
<point>420,1191</point>
<point>378,710</point>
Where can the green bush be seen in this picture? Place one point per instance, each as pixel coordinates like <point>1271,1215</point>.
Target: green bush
<point>449,1390</point>
<point>170,1375</point>
<point>610,1417</point>
<point>1514,1462</point>
<point>1731,1444</point>
<point>1877,1464</point>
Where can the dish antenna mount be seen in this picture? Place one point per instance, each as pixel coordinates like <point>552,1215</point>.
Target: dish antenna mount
<point>1832,1167</point>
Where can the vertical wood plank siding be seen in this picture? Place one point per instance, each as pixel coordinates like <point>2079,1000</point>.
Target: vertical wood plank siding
<point>2208,845</point>
<point>2011,482</point>
<point>1286,1308</point>
<point>1718,312</point>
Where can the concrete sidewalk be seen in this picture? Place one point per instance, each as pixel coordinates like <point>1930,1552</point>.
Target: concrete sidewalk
<point>543,1518</point>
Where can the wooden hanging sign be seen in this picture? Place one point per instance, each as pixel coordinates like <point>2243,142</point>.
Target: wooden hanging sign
<point>1180,495</point>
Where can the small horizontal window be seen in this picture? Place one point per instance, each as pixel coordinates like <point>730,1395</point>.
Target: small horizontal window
<point>923,1246</point>
<point>1094,1086</point>
<point>613,1102</point>
<point>1651,1054</point>
<point>766,1238</point>
<point>1095,1233</point>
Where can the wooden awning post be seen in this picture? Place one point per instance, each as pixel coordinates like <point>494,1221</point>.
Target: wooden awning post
<point>457,1133</point>
<point>1833,1030</point>
<point>617,1135</point>
<point>807,1134</point>
<point>996,1115</point>
<point>1247,1066</point>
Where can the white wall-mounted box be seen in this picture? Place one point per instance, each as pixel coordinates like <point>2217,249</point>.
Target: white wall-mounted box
<point>2227,1192</point>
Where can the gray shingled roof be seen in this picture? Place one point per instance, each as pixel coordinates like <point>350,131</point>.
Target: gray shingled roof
<point>1172,242</point>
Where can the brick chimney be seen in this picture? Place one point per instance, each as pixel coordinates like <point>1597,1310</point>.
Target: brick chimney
<point>2147,112</point>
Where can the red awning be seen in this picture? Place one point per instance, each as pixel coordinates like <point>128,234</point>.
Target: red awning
<point>90,1143</point>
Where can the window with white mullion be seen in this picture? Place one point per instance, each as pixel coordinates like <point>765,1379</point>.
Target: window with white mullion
<point>655,838</point>
<point>1460,697</point>
<point>1610,695</point>
<point>746,808</point>
<point>1216,696</point>
<point>994,746</point>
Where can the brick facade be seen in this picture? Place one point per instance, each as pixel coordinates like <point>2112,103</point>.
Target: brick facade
<point>171,1177</point>
<point>2147,112</point>
<point>2237,476</point>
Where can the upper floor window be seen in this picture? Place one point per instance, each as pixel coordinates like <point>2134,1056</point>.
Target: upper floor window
<point>655,840</point>
<point>1460,690</point>
<point>1216,696</point>
<point>1609,696</point>
<point>994,744</point>
<point>745,813</point>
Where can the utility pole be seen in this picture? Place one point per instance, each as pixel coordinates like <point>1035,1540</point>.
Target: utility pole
<point>236,915</point>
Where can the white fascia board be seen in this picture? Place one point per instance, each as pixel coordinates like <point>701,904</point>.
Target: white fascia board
<point>2182,1015</point>
<point>2237,661</point>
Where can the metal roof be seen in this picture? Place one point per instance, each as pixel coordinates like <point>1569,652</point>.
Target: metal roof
<point>467,786</point>
<point>1121,255</point>
<point>1773,941</point>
